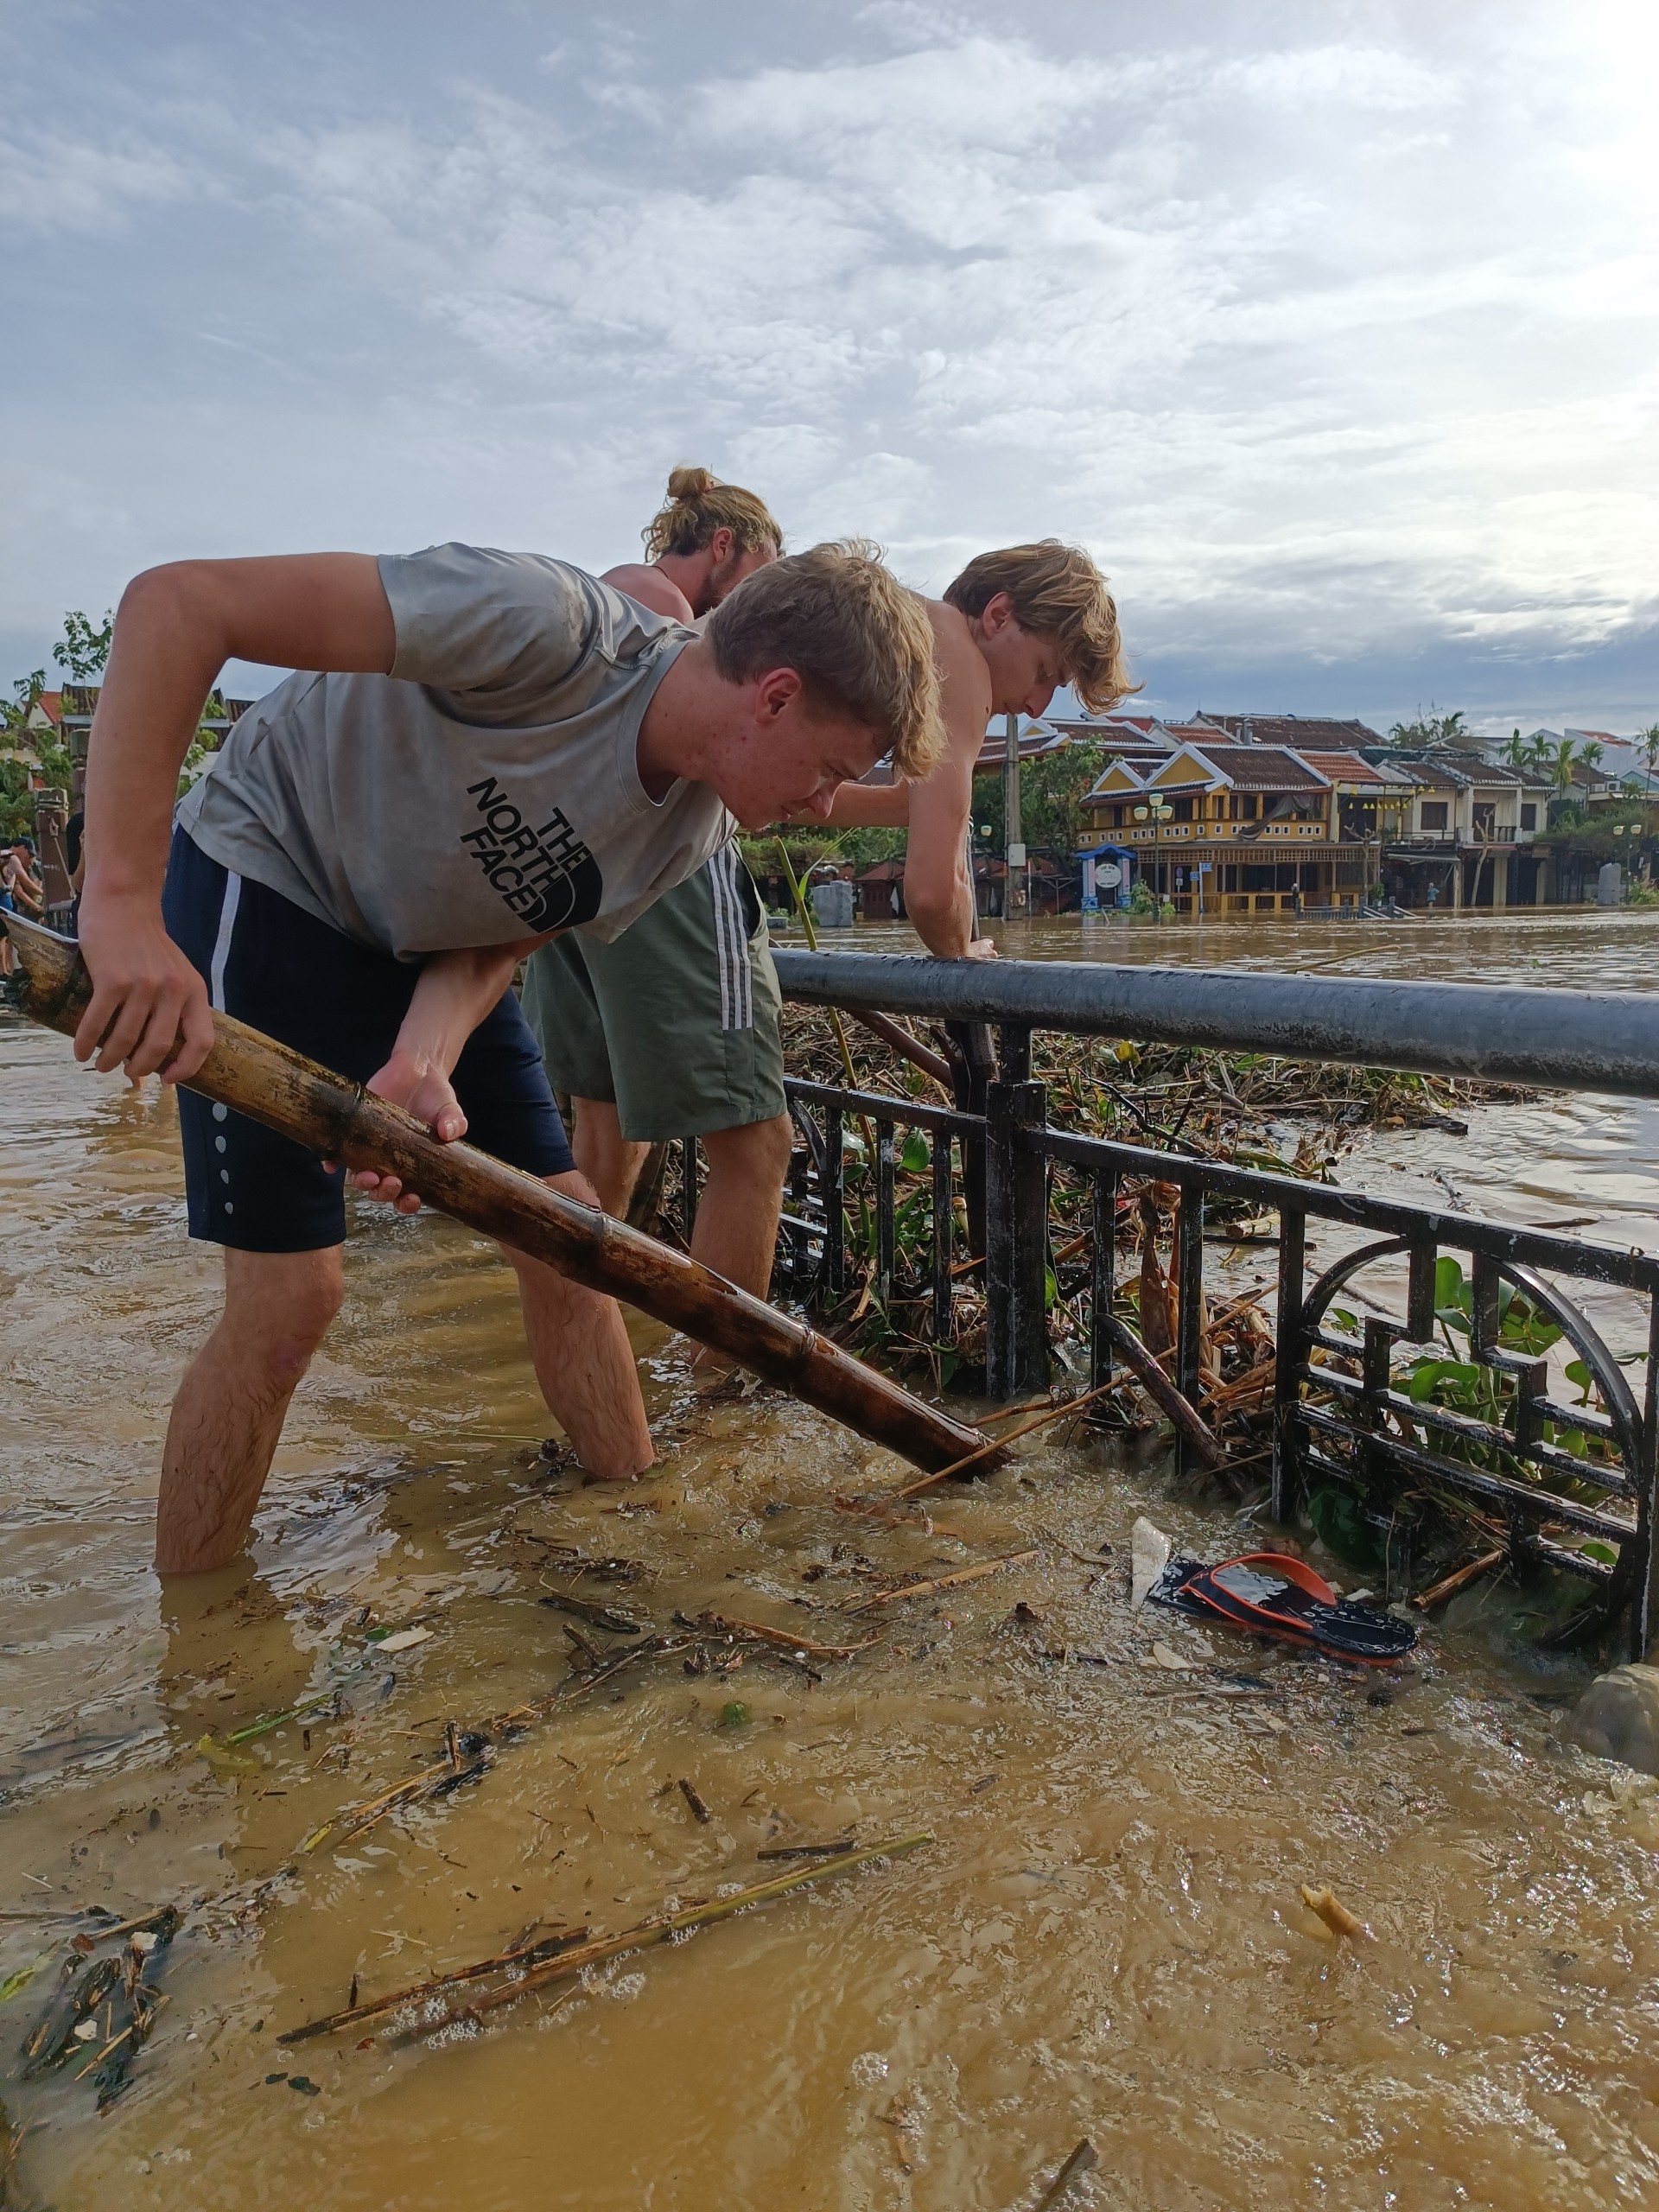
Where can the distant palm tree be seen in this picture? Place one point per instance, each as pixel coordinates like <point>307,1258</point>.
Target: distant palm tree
<point>1538,750</point>
<point>1648,740</point>
<point>1592,754</point>
<point>1431,728</point>
<point>1559,762</point>
<point>1649,743</point>
<point>1518,750</point>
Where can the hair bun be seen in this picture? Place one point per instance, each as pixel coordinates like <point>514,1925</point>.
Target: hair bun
<point>691,483</point>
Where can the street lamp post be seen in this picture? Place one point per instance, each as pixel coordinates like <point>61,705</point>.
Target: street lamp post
<point>1158,811</point>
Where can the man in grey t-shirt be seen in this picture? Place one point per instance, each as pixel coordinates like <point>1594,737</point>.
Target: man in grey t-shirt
<point>488,748</point>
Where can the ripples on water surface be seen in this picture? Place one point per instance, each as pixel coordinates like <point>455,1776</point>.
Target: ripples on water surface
<point>1106,1938</point>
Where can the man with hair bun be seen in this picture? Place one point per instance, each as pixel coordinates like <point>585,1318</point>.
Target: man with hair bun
<point>671,1030</point>
<point>1014,626</point>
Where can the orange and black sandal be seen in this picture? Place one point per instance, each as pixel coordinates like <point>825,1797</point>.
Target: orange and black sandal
<point>1274,1594</point>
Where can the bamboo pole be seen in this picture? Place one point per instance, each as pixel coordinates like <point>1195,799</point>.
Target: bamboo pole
<point>329,1114</point>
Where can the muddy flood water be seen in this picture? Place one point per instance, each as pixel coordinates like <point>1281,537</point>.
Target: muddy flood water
<point>1105,1937</point>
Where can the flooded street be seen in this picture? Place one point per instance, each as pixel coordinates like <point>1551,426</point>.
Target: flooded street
<point>1105,1937</point>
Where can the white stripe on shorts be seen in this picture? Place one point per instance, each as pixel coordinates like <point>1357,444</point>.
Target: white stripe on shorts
<point>222,942</point>
<point>731,942</point>
<point>722,949</point>
<point>739,943</point>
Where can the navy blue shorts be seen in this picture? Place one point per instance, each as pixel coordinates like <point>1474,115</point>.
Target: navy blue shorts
<point>273,965</point>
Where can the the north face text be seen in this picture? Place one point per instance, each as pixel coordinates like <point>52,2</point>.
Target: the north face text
<point>547,877</point>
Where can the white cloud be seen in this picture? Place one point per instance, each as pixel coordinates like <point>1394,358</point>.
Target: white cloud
<point>1334,343</point>
<point>52,183</point>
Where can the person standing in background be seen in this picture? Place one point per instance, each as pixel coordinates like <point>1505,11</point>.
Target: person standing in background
<point>671,1030</point>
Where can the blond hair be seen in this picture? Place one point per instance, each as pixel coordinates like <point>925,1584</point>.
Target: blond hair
<point>1057,592</point>
<point>698,505</point>
<point>861,642</point>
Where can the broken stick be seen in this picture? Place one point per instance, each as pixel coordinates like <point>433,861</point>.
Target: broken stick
<point>997,1444</point>
<point>1459,1581</point>
<point>583,1956</point>
<point>1083,2160</point>
<point>784,1639</point>
<point>1163,1393</point>
<point>943,1581</point>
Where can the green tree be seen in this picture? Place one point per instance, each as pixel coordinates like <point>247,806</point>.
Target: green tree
<point>1431,728</point>
<point>17,740</point>
<point>25,697</point>
<point>1517,752</point>
<point>85,646</point>
<point>1649,741</point>
<point>1050,791</point>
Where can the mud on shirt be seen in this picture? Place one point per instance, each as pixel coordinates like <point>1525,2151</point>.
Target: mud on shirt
<point>486,790</point>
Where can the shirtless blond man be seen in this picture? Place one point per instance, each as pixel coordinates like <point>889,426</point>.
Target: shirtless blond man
<point>1012,627</point>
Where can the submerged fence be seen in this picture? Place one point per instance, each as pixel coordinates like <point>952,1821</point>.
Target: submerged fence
<point>1570,1484</point>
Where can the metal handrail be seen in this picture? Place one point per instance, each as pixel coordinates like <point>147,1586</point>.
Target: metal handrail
<point>1562,1039</point>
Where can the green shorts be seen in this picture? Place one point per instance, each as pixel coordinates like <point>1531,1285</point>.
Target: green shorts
<point>677,1020</point>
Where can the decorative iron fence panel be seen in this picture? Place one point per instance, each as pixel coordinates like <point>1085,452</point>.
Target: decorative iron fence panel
<point>1572,1485</point>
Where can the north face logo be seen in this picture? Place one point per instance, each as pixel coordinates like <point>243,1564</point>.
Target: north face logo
<point>547,877</point>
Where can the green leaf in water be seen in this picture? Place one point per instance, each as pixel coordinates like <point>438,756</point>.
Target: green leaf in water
<point>735,1713</point>
<point>22,1976</point>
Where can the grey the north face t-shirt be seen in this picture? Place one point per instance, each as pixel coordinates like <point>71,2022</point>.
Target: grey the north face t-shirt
<point>488,789</point>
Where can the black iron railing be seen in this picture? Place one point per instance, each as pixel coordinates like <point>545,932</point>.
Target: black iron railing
<point>1428,1362</point>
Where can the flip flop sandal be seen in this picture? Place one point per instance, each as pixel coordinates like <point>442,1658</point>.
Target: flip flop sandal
<point>1276,1595</point>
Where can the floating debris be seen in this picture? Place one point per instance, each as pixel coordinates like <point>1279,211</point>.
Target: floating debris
<point>308,1708</point>
<point>782,1639</point>
<point>1335,1915</point>
<point>19,1980</point>
<point>700,1812</point>
<point>524,1953</point>
<point>1083,2160</point>
<point>605,1617</point>
<point>70,2028</point>
<point>944,1581</point>
<point>439,2024</point>
<point>1149,1550</point>
<point>401,1639</point>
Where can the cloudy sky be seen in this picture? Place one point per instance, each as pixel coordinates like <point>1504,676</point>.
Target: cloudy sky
<point>1333,330</point>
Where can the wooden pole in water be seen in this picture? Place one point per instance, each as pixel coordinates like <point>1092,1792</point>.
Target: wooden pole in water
<point>328,1115</point>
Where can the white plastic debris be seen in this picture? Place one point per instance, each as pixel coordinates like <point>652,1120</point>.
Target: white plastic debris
<point>404,1639</point>
<point>1148,1557</point>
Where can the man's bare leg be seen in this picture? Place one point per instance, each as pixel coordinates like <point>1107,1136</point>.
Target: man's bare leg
<point>231,1406</point>
<point>584,1361</point>
<point>611,1161</point>
<point>737,1213</point>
